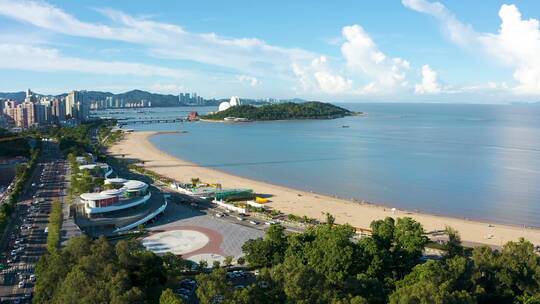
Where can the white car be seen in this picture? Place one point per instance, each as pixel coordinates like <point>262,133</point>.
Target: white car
<point>253,223</point>
<point>32,277</point>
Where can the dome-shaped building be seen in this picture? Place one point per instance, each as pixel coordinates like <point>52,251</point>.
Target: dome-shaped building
<point>235,101</point>
<point>224,106</point>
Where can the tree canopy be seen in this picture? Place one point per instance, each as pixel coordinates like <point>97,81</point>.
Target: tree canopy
<point>283,111</point>
<point>86,271</point>
<point>326,263</point>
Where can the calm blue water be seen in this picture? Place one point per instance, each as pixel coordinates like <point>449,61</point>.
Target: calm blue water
<point>474,161</point>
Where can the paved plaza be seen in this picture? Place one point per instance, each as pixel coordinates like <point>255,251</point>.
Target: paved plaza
<point>196,235</point>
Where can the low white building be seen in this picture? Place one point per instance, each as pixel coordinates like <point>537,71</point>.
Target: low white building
<point>125,194</point>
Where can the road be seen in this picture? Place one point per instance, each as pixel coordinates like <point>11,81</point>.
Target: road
<point>26,237</point>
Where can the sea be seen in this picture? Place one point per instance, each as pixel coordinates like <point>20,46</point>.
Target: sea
<point>469,161</point>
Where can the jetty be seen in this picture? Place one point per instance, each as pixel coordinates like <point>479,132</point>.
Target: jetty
<point>151,121</point>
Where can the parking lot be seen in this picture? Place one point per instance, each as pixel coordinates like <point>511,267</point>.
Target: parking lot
<point>26,235</point>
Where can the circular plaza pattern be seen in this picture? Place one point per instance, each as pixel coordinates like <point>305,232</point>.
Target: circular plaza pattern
<point>179,242</point>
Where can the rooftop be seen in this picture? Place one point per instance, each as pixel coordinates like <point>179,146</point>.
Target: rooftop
<point>134,184</point>
<point>95,196</point>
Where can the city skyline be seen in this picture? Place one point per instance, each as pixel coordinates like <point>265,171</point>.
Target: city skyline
<point>403,51</point>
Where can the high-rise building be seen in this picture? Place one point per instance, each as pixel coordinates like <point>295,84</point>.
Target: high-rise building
<point>76,106</point>
<point>82,110</point>
<point>109,102</point>
<point>30,110</point>
<point>22,114</point>
<point>41,113</point>
<point>71,98</point>
<point>58,110</point>
<point>10,109</point>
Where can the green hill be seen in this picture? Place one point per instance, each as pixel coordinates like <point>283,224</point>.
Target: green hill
<point>283,111</point>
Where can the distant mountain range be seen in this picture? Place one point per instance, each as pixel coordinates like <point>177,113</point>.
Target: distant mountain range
<point>19,96</point>
<point>158,100</point>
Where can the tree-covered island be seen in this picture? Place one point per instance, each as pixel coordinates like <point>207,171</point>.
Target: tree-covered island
<point>283,111</point>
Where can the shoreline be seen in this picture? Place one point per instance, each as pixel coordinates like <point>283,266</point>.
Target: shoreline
<point>359,214</point>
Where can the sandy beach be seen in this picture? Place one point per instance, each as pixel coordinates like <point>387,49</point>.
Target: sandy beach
<point>136,145</point>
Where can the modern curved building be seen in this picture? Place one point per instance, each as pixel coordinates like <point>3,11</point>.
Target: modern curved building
<point>224,106</point>
<point>122,195</point>
<point>233,102</point>
<point>105,169</point>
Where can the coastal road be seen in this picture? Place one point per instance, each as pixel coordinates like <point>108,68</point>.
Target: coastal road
<point>26,237</point>
<point>212,210</point>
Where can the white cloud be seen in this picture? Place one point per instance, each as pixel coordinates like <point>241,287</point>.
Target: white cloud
<point>363,56</point>
<point>362,69</point>
<point>318,76</point>
<point>252,81</point>
<point>364,64</point>
<point>165,40</point>
<point>32,58</point>
<point>517,43</point>
<point>328,81</point>
<point>362,59</point>
<point>458,32</point>
<point>429,84</point>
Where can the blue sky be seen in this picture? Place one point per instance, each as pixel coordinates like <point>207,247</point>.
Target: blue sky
<point>392,51</point>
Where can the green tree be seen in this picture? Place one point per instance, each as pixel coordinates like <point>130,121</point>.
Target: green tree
<point>304,285</point>
<point>453,246</point>
<point>520,271</point>
<point>168,297</point>
<point>51,269</point>
<point>213,286</point>
<point>86,271</point>
<point>241,261</point>
<point>267,251</point>
<point>173,265</point>
<point>203,264</point>
<point>228,261</point>
<point>409,243</point>
<point>383,232</point>
<point>437,282</point>
<point>330,219</point>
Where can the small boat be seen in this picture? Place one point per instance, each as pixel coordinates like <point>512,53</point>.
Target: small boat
<point>345,126</point>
